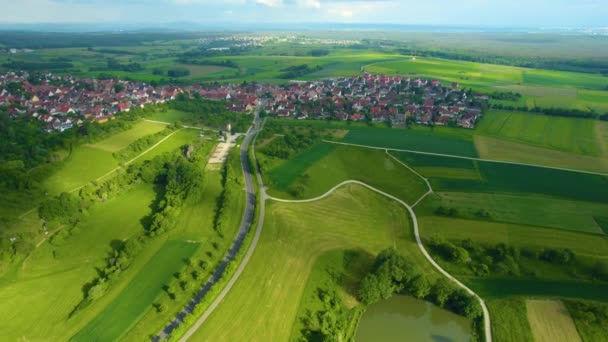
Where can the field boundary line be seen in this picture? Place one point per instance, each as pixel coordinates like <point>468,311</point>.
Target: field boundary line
<point>467,158</point>
<point>486,312</point>
<point>428,184</point>
<point>128,162</point>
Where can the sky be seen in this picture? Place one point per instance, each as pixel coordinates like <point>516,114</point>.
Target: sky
<point>493,13</point>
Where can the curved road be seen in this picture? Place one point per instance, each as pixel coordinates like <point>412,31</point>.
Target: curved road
<point>486,313</point>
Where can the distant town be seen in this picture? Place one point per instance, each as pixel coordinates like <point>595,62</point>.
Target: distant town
<point>64,101</point>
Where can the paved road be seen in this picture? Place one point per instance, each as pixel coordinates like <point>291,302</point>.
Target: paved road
<point>486,313</point>
<point>254,243</point>
<point>468,158</point>
<point>246,223</point>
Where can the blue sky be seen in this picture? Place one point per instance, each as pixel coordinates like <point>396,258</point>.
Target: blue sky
<point>515,13</point>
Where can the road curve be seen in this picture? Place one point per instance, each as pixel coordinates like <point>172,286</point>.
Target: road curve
<point>486,313</point>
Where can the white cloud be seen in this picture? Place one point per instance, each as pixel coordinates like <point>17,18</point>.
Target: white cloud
<point>270,3</point>
<point>309,3</point>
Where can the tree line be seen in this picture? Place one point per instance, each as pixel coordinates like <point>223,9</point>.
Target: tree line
<point>505,260</point>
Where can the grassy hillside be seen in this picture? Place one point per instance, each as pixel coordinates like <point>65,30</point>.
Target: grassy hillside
<point>63,265</point>
<point>264,302</point>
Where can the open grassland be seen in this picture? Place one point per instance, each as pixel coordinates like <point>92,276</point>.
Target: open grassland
<point>89,162</point>
<point>446,141</point>
<point>264,302</point>
<point>509,320</point>
<point>132,303</point>
<point>499,149</point>
<point>120,140</point>
<point>511,178</point>
<point>565,134</point>
<point>492,233</point>
<point>195,223</point>
<point>373,167</point>
<point>62,266</point>
<point>284,174</point>
<point>550,321</point>
<point>527,210</point>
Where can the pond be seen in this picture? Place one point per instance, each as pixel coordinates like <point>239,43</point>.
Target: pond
<point>404,318</point>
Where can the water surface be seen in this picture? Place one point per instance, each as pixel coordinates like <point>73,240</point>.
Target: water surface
<point>404,318</point>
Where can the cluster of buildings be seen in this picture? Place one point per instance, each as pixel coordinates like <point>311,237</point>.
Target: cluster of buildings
<point>396,100</point>
<point>64,101</point>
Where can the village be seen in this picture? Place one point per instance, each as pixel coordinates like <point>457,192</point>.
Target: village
<point>62,102</point>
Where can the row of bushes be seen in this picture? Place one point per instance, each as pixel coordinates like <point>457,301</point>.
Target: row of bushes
<point>233,183</point>
<point>178,177</point>
<point>501,259</point>
<point>141,144</point>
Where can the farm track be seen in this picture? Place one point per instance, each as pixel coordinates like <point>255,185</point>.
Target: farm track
<point>486,313</point>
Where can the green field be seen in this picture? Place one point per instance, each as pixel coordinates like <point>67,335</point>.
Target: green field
<point>373,167</point>
<point>509,320</point>
<point>92,161</point>
<point>491,233</point>
<point>264,302</point>
<point>132,303</point>
<point>509,178</point>
<point>504,288</point>
<point>565,134</point>
<point>446,141</point>
<point>499,149</point>
<point>63,266</point>
<point>120,140</point>
<point>527,210</point>
<point>545,88</point>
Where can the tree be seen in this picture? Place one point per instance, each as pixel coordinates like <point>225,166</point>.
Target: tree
<point>441,291</point>
<point>118,88</point>
<point>419,287</point>
<point>369,292</point>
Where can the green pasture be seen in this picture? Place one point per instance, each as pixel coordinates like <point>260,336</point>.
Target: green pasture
<point>560,133</point>
<point>526,209</point>
<point>283,175</point>
<point>509,320</point>
<point>136,298</point>
<point>447,141</point>
<point>264,303</point>
<point>63,265</point>
<point>521,235</point>
<point>512,178</point>
<point>92,161</point>
<point>121,140</point>
<point>373,167</point>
